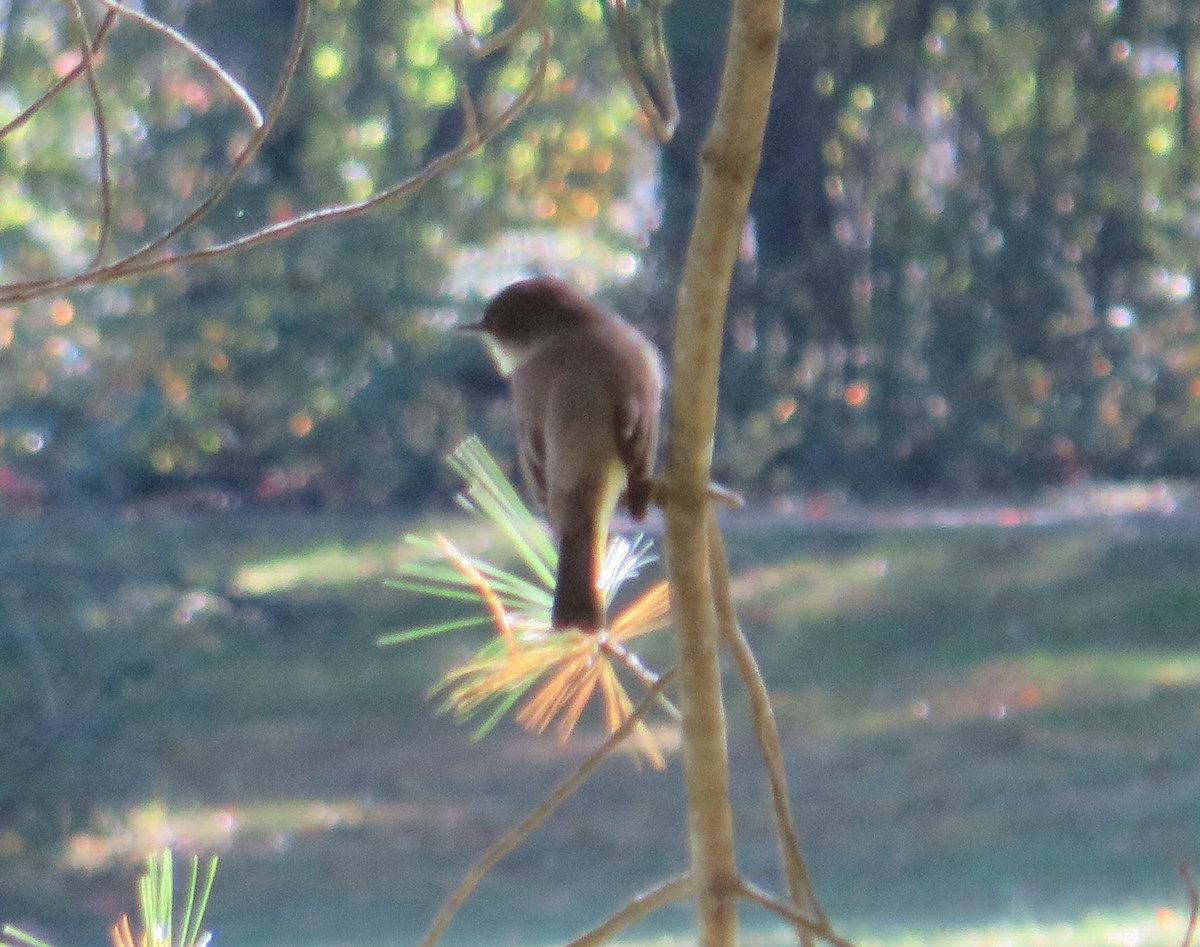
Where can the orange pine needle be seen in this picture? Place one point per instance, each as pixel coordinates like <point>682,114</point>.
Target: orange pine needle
<point>120,934</point>
<point>476,681</point>
<point>576,664</point>
<point>618,707</point>
<point>583,691</point>
<point>483,587</point>
<point>552,696</point>
<point>611,690</point>
<point>648,612</point>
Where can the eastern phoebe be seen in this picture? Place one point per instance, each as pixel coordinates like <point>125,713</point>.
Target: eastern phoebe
<point>587,387</point>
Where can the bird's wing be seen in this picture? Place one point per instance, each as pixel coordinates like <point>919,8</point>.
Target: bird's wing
<point>636,421</point>
<point>531,453</point>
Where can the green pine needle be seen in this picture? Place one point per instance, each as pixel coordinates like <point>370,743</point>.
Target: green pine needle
<point>18,937</point>
<point>427,631</point>
<point>482,686</point>
<point>156,892</point>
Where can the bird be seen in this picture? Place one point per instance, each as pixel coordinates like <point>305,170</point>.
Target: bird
<point>587,388</point>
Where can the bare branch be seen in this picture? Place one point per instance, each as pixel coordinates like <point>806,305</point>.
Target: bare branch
<point>1193,894</point>
<point>31,110</point>
<point>353,209</point>
<point>566,788</point>
<point>103,150</point>
<point>717,492</point>
<point>26,633</point>
<point>633,664</point>
<point>480,47</point>
<point>235,88</point>
<point>470,119</point>
<point>243,158</point>
<point>638,907</point>
<point>819,929</point>
<point>644,62</point>
<point>31,289</point>
<point>141,262</point>
<point>799,881</point>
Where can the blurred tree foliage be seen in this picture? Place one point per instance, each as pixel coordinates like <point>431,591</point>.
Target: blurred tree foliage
<point>972,265</point>
<point>316,369</point>
<point>975,248</point>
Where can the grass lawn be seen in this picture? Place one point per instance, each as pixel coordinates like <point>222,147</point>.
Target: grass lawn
<point>993,735</point>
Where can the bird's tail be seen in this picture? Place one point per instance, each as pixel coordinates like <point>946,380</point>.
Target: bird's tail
<point>578,602</point>
<point>583,536</point>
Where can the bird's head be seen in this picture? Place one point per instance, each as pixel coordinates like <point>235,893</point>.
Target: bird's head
<point>525,316</point>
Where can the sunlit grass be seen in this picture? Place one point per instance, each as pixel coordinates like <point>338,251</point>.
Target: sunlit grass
<point>1000,687</point>
<point>1157,927</point>
<point>1161,927</point>
<point>124,838</point>
<point>323,566</point>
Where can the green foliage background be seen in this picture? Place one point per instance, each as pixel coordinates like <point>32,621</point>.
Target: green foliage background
<point>972,267</point>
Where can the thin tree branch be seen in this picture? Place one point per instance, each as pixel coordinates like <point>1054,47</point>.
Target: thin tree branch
<point>566,788</point>
<point>819,929</point>
<point>24,630</point>
<point>103,149</point>
<point>729,164</point>
<point>136,264</point>
<point>799,881</point>
<point>479,47</point>
<point>1193,894</point>
<point>31,289</point>
<point>706,754</point>
<point>33,108</point>
<point>470,119</point>
<point>218,72</point>
<point>638,907</point>
<point>265,125</point>
<point>633,664</point>
<point>641,61</point>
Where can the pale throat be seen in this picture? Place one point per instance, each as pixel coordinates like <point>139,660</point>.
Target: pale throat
<point>509,356</point>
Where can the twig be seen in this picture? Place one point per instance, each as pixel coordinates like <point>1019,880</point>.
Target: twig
<point>235,88</point>
<point>134,265</point>
<point>103,149</point>
<point>31,289</point>
<point>479,47</point>
<point>34,107</point>
<point>799,881</point>
<point>717,492</point>
<point>705,747</point>
<point>638,907</point>
<point>725,496</point>
<point>634,665</point>
<point>819,929</point>
<point>470,119</point>
<point>566,788</point>
<point>1189,933</point>
<point>243,158</point>
<point>21,624</point>
<point>659,104</point>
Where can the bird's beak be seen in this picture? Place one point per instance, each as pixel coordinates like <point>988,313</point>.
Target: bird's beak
<point>470,327</point>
